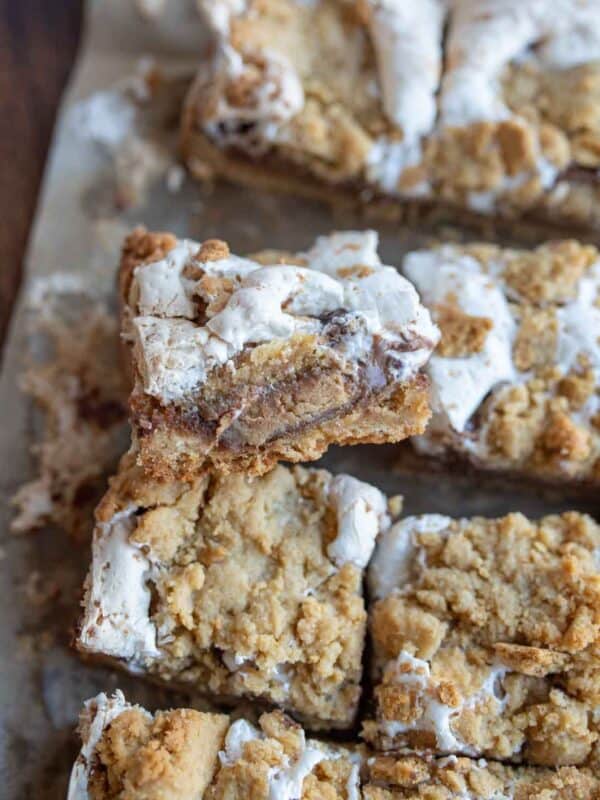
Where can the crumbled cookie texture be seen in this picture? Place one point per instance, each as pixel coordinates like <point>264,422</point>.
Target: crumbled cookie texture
<point>536,340</point>
<point>83,400</point>
<point>332,97</point>
<point>170,755</point>
<point>550,274</point>
<point>240,363</point>
<point>239,587</point>
<point>486,638</point>
<point>462,334</point>
<point>128,753</point>
<point>275,760</point>
<point>411,777</point>
<point>519,392</point>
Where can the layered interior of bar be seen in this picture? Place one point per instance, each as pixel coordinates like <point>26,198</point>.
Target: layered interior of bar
<point>486,638</point>
<point>242,362</point>
<point>394,777</point>
<point>488,106</point>
<point>184,754</point>
<point>237,587</point>
<point>516,376</point>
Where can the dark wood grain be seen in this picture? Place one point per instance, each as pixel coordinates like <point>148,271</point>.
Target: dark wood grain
<point>38,43</point>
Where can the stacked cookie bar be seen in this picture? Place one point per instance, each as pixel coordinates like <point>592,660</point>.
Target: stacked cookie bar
<point>218,570</point>
<point>214,566</point>
<point>241,362</point>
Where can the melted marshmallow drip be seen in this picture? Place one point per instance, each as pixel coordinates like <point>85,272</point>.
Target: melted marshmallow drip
<point>102,710</point>
<point>117,604</point>
<point>461,383</point>
<point>285,779</point>
<point>437,716</point>
<point>362,514</point>
<point>396,558</point>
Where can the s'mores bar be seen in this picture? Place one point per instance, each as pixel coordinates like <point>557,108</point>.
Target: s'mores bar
<point>516,376</point>
<point>411,777</point>
<point>482,106</point>
<point>129,753</point>
<point>183,754</point>
<point>237,587</point>
<point>242,362</point>
<point>486,638</point>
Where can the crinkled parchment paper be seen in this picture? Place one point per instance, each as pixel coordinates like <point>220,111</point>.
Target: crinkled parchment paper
<point>113,164</point>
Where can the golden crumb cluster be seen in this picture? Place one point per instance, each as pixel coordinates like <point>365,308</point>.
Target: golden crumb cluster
<point>507,594</point>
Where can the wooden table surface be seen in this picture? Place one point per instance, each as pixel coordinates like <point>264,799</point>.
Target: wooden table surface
<point>38,43</point>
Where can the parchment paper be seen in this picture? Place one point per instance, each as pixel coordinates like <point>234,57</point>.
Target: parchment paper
<point>78,231</point>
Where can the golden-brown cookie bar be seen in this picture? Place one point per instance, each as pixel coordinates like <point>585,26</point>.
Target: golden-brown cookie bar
<point>486,638</point>
<point>236,586</point>
<point>516,376</point>
<point>487,108</point>
<point>183,754</point>
<point>239,363</point>
<point>394,777</point>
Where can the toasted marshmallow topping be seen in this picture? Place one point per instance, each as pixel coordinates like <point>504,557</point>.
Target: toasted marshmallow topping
<point>407,37</point>
<point>407,41</point>
<point>255,121</point>
<point>264,303</point>
<point>219,12</point>
<point>460,384</point>
<point>97,716</point>
<point>117,601</point>
<point>579,325</point>
<point>486,35</point>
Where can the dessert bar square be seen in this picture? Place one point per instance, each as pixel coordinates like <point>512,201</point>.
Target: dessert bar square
<point>236,586</point>
<point>486,638</point>
<point>486,108</point>
<point>184,754</point>
<point>242,362</point>
<point>128,752</point>
<point>516,376</point>
<point>394,777</point>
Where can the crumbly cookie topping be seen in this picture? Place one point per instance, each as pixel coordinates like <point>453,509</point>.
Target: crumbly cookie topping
<point>128,753</point>
<point>486,637</point>
<point>396,777</point>
<point>276,760</point>
<point>516,379</point>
